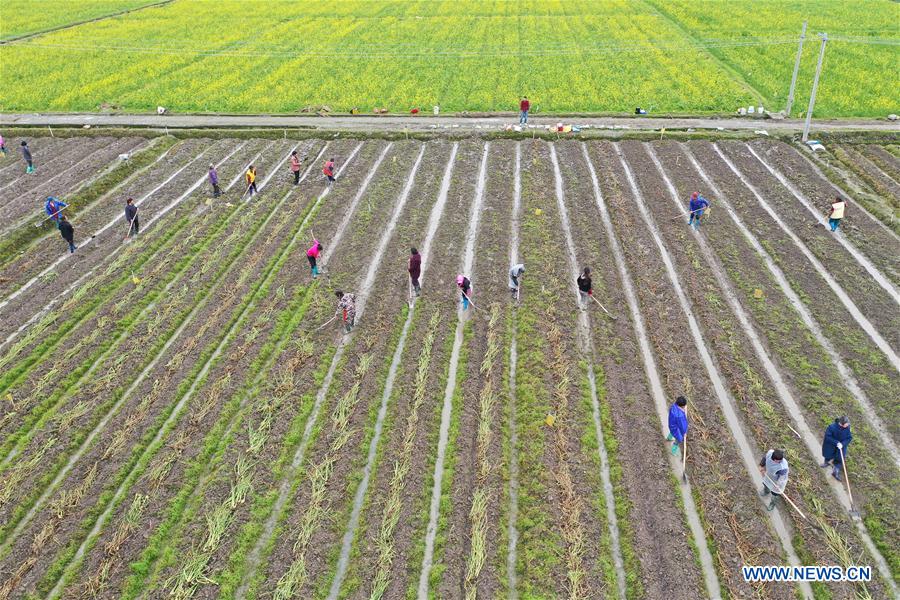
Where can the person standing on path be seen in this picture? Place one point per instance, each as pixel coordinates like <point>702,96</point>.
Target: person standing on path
<point>251,180</point>
<point>2,145</point>
<point>524,107</point>
<point>26,154</point>
<point>585,288</point>
<point>678,423</point>
<point>295,167</point>
<point>328,171</point>
<point>346,308</point>
<point>465,286</point>
<point>698,205</point>
<point>415,270</point>
<point>214,181</point>
<point>774,469</point>
<point>836,213</point>
<point>131,216</point>
<point>312,255</point>
<point>68,233</point>
<point>515,272</point>
<point>834,445</point>
<point>54,207</point>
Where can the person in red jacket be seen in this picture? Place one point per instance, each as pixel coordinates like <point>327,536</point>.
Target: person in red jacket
<point>415,270</point>
<point>524,107</point>
<point>328,171</point>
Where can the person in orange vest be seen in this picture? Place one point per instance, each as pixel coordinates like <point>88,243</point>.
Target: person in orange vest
<point>295,167</point>
<point>328,171</point>
<point>251,180</point>
<point>836,213</point>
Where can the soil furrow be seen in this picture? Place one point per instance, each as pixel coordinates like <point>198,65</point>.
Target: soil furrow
<point>386,544</point>
<point>663,541</point>
<point>748,541</point>
<point>869,245</point>
<point>787,394</point>
<point>177,459</point>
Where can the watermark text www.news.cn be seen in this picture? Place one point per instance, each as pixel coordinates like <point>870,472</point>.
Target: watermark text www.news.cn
<point>806,573</point>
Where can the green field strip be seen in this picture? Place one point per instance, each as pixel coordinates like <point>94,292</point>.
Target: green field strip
<point>69,559</point>
<point>21,240</point>
<point>30,263</point>
<point>294,316</point>
<point>152,351</point>
<point>278,504</point>
<point>138,311</point>
<point>821,390</point>
<point>206,467</point>
<point>733,71</point>
<point>236,251</point>
<point>20,23</point>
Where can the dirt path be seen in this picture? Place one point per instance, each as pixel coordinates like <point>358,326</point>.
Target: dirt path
<point>424,123</point>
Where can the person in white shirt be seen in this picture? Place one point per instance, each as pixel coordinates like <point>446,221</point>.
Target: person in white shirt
<point>836,213</point>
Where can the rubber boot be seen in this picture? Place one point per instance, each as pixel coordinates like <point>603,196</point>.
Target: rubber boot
<point>674,449</point>
<point>771,505</point>
<point>670,438</point>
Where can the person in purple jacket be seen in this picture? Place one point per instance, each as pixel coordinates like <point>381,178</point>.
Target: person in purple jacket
<point>214,181</point>
<point>698,205</point>
<point>678,423</point>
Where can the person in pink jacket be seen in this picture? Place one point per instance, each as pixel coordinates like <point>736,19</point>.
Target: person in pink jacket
<point>311,255</point>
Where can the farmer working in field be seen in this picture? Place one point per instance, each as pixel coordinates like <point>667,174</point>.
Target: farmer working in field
<point>346,308</point>
<point>836,213</point>
<point>26,155</point>
<point>698,205</point>
<point>415,270</point>
<point>584,286</point>
<point>678,423</point>
<point>54,209</point>
<point>67,232</point>
<point>328,171</point>
<point>465,286</point>
<point>251,180</point>
<point>312,255</point>
<point>2,145</point>
<point>834,445</point>
<point>295,167</point>
<point>214,181</point>
<point>515,273</point>
<point>774,469</point>
<point>524,107</point>
<point>131,216</point>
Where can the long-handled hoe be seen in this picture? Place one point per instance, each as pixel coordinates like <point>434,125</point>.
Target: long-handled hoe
<point>789,501</point>
<point>853,512</point>
<point>470,300</point>
<point>328,322</point>
<point>603,307</point>
<point>684,459</point>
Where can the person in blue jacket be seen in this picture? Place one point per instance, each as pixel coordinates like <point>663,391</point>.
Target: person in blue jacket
<point>678,423</point>
<point>698,205</point>
<point>54,208</point>
<point>837,438</point>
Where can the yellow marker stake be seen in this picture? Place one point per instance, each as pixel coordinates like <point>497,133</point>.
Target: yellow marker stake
<point>538,212</point>
<point>550,420</point>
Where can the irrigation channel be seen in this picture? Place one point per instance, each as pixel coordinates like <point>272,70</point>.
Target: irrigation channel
<point>181,419</point>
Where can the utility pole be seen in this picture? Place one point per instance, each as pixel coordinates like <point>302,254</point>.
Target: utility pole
<point>812,96</point>
<point>787,111</point>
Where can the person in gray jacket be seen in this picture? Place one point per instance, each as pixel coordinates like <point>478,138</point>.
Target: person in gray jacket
<point>514,274</point>
<point>774,469</point>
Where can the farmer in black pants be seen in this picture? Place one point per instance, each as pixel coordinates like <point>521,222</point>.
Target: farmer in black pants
<point>131,215</point>
<point>67,232</point>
